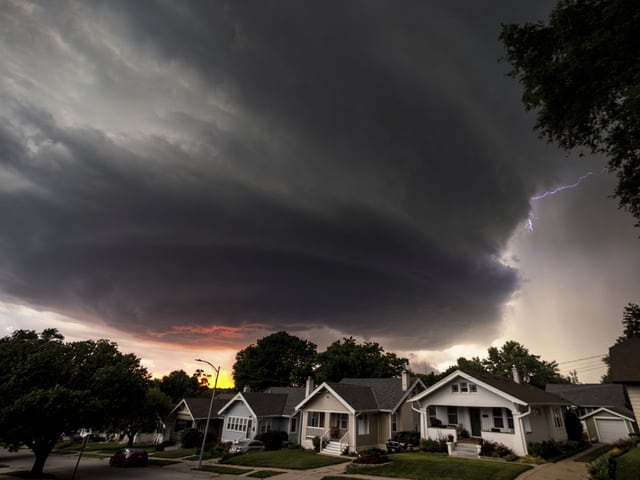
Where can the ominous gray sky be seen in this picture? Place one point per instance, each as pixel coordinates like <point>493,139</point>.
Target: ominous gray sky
<point>194,175</point>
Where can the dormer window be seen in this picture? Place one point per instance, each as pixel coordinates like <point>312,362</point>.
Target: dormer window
<point>464,387</point>
<point>454,388</point>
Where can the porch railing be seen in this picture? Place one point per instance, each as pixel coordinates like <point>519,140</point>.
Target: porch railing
<point>344,443</point>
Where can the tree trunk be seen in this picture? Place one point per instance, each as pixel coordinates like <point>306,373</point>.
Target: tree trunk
<point>41,450</point>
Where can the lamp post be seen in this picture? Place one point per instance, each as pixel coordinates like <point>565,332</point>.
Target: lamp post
<point>213,394</point>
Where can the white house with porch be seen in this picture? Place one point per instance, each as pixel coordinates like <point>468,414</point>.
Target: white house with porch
<point>480,406</point>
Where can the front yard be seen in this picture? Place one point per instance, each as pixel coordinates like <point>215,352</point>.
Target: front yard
<point>296,459</point>
<point>418,466</point>
<point>424,466</point>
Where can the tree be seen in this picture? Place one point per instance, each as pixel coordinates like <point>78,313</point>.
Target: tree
<point>580,73</point>
<point>147,415</point>
<point>631,329</point>
<point>279,359</point>
<point>49,387</point>
<point>630,322</point>
<point>530,368</point>
<point>347,359</point>
<point>501,361</point>
<point>178,385</point>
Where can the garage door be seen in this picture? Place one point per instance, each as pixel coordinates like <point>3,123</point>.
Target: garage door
<point>611,429</point>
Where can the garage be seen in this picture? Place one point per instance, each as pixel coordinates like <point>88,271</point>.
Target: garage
<point>608,425</point>
<point>611,429</point>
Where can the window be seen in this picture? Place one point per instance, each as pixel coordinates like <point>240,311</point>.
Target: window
<point>237,424</point>
<point>498,421</point>
<point>394,422</point>
<point>452,415</point>
<point>509,419</point>
<point>464,387</point>
<point>316,419</point>
<point>363,424</point>
<point>557,418</point>
<point>294,424</point>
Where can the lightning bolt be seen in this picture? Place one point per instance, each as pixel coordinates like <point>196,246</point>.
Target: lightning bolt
<point>529,223</point>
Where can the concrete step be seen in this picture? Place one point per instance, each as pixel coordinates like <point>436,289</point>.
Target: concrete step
<point>332,448</point>
<point>465,450</point>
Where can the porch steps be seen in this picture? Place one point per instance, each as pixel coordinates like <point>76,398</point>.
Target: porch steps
<point>332,448</point>
<point>466,450</point>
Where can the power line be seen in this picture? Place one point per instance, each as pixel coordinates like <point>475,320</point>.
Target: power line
<point>578,359</point>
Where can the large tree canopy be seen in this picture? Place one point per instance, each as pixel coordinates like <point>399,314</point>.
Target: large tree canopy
<point>501,361</point>
<point>49,387</point>
<point>580,73</point>
<point>347,359</point>
<point>279,359</point>
<point>178,385</point>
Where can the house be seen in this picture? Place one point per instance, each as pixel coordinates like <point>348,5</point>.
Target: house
<point>482,406</point>
<point>624,359</point>
<point>602,408</point>
<point>249,414</point>
<point>192,413</point>
<point>357,413</point>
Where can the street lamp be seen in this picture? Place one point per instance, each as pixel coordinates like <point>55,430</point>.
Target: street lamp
<point>213,394</point>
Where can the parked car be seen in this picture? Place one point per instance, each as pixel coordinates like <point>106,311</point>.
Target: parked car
<point>402,441</point>
<point>246,446</point>
<point>129,457</point>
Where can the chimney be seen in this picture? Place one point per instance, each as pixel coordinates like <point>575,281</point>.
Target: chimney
<point>246,388</point>
<point>308,387</point>
<point>405,380</point>
<point>516,375</point>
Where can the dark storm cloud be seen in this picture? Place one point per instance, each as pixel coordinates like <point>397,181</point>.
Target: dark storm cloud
<point>357,168</point>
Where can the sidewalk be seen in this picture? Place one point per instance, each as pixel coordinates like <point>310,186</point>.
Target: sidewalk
<point>566,469</point>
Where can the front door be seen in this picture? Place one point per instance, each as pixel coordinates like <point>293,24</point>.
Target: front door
<point>476,422</point>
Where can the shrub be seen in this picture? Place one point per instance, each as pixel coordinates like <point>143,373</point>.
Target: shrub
<point>495,450</point>
<point>273,440</point>
<point>191,438</point>
<point>316,443</point>
<point>603,467</point>
<point>546,449</point>
<point>371,456</point>
<point>434,446</point>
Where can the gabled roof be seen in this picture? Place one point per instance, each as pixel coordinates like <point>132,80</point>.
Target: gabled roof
<point>625,361</point>
<point>198,407</point>
<point>387,391</point>
<point>616,411</point>
<point>366,394</point>
<point>520,393</point>
<point>590,394</point>
<point>268,404</point>
<point>294,396</point>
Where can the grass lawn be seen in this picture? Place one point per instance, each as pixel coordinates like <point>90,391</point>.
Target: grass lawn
<point>296,459</point>
<point>628,465</point>
<point>221,469</point>
<point>422,466</point>
<point>176,453</point>
<point>593,454</point>
<point>264,473</point>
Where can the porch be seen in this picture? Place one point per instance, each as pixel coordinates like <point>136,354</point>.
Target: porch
<point>468,426</point>
<point>332,428</point>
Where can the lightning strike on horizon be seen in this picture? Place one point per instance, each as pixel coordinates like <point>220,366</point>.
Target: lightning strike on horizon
<point>529,223</point>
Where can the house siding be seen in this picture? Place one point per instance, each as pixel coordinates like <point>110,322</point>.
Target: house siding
<point>633,392</point>
<point>238,409</point>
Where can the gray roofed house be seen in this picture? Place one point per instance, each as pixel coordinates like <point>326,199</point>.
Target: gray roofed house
<point>249,414</point>
<point>358,413</point>
<point>471,407</point>
<point>587,397</point>
<point>192,413</point>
